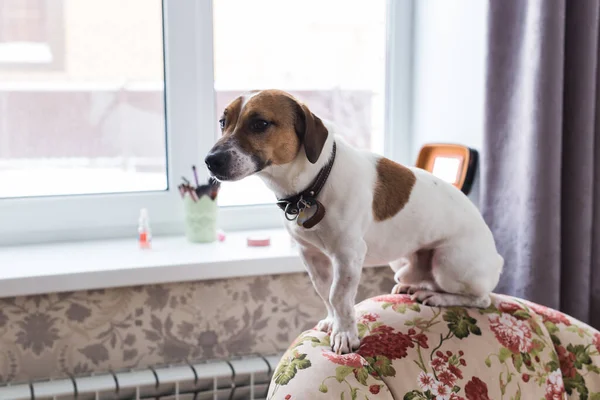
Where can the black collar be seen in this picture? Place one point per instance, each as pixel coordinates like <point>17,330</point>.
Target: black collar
<point>291,205</point>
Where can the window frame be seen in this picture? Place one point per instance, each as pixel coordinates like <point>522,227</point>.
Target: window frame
<point>190,125</point>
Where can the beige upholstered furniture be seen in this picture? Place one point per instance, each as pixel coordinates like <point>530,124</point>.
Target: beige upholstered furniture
<point>513,350</point>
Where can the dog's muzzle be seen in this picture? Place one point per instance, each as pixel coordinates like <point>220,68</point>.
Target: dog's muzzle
<point>218,162</point>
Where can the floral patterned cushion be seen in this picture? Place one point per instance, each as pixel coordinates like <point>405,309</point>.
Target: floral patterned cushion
<point>512,350</point>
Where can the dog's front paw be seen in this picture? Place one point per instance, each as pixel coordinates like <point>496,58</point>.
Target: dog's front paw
<point>344,342</point>
<point>325,324</point>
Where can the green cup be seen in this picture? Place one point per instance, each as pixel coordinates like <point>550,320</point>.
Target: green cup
<point>200,219</point>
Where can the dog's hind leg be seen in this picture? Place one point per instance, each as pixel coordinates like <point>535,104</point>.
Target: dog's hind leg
<point>465,274</point>
<point>414,273</point>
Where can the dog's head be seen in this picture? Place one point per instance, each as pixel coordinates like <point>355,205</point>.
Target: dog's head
<point>263,128</point>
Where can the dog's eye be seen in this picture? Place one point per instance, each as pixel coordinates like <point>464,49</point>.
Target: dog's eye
<point>222,123</point>
<point>259,125</point>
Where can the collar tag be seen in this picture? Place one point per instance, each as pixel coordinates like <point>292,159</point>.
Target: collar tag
<point>311,214</point>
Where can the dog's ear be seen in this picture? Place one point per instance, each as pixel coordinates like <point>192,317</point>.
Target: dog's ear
<point>311,131</point>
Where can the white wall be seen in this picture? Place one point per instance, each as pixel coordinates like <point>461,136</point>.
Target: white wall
<point>448,72</point>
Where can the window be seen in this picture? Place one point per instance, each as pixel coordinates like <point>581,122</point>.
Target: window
<point>135,100</point>
<point>23,21</point>
<point>333,59</point>
<point>31,34</point>
<point>99,125</point>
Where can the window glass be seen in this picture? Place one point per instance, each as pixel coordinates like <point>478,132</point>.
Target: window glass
<point>81,97</point>
<point>328,53</point>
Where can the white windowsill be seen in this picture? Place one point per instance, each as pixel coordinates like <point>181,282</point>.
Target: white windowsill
<point>49,268</point>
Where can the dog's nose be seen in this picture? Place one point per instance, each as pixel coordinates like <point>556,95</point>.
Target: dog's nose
<point>216,162</point>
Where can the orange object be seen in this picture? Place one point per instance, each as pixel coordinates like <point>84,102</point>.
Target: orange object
<point>144,242</point>
<point>453,163</point>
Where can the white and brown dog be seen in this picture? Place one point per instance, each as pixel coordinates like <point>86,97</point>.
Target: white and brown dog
<point>348,208</point>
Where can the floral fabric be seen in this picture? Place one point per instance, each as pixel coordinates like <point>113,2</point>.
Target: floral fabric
<point>512,350</point>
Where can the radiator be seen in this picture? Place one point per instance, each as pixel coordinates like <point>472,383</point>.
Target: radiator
<point>237,379</point>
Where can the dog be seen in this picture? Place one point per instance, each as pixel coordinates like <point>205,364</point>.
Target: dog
<point>347,208</point>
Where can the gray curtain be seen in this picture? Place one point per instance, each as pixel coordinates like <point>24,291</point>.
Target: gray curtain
<point>541,155</point>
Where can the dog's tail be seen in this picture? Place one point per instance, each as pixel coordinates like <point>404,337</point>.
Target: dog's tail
<point>500,264</point>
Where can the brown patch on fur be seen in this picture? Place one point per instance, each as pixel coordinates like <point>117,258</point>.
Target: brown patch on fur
<point>279,144</point>
<point>392,189</point>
